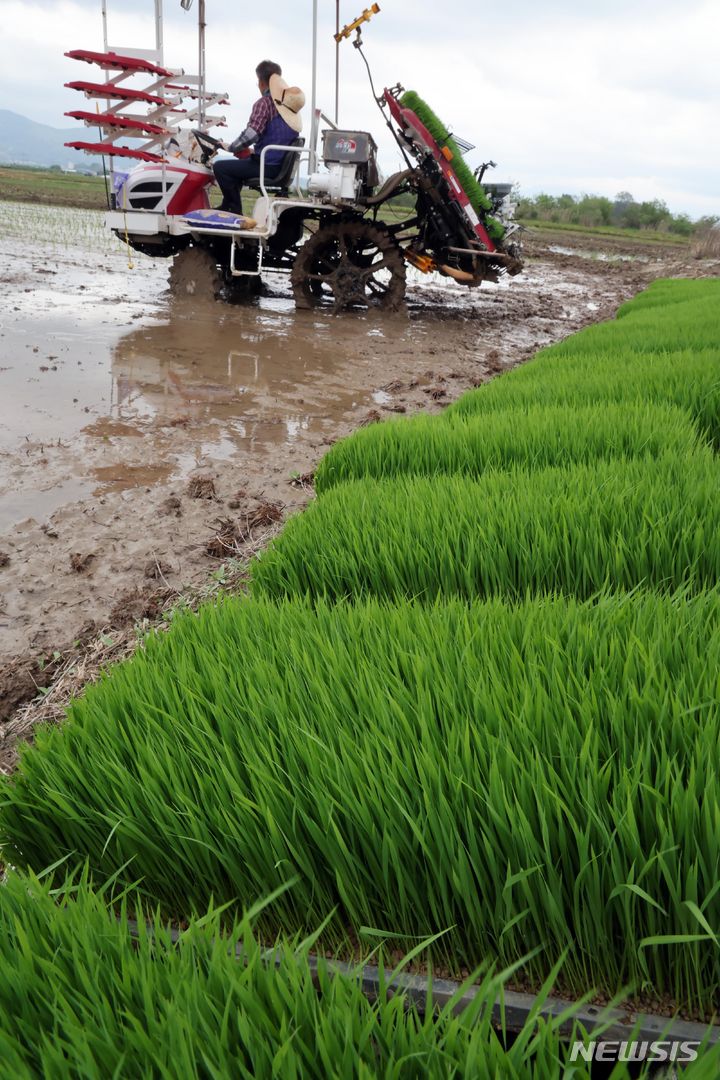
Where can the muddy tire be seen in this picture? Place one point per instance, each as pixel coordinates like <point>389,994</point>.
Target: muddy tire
<point>194,272</point>
<point>351,264</point>
<point>241,290</point>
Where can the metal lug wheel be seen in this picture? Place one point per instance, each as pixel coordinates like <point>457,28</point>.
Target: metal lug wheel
<point>351,264</point>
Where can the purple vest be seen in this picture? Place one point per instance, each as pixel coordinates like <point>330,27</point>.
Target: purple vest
<point>277,133</point>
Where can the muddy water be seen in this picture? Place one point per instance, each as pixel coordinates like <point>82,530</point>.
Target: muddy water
<point>259,375</point>
<point>601,256</point>
<point>245,379</point>
<point>95,353</point>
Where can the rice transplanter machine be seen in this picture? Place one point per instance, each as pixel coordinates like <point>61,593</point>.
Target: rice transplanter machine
<point>342,234</point>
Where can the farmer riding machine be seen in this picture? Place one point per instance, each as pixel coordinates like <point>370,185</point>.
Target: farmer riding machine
<point>341,233</point>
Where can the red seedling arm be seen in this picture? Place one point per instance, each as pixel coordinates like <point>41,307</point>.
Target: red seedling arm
<point>189,91</point>
<point>113,120</point>
<point>111,61</point>
<point>107,90</point>
<point>108,150</point>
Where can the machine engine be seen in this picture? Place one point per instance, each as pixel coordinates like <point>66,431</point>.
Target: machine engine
<point>351,161</point>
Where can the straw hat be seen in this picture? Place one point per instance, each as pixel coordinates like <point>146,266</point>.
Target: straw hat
<point>289,100</point>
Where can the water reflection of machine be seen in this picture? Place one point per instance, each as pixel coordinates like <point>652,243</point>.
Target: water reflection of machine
<point>251,375</point>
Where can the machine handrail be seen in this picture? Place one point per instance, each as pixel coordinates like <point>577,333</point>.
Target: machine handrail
<point>288,150</point>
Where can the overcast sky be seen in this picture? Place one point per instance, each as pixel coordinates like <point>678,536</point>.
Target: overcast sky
<point>598,97</point>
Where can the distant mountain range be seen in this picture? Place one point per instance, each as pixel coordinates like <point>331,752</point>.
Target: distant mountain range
<point>24,142</point>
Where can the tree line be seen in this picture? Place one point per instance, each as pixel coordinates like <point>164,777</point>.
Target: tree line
<point>622,212</point>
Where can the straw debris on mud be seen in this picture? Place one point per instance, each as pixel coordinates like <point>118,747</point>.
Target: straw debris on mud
<point>157,569</point>
<point>80,563</point>
<point>230,535</point>
<point>264,515</point>
<point>201,487</point>
<point>171,507</point>
<point>138,605</point>
<point>225,540</point>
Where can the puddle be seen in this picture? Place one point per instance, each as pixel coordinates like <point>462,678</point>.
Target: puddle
<point>107,379</point>
<point>381,397</point>
<point>599,256</point>
<point>94,351</point>
<point>122,477</point>
<point>51,382</point>
<point>108,385</point>
<point>40,503</point>
<point>260,373</point>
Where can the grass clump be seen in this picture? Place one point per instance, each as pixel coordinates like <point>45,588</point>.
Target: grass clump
<point>539,777</point>
<point>79,997</point>
<point>706,243</point>
<point>539,437</point>
<point>473,189</point>
<point>575,531</point>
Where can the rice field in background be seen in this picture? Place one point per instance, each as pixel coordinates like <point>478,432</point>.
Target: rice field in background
<point>642,236</point>
<point>540,777</point>
<point>52,187</point>
<point>474,694</point>
<point>57,229</point>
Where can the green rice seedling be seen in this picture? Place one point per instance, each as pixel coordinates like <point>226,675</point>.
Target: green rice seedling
<point>694,324</point>
<point>576,530</point>
<point>690,380</point>
<point>539,437</point>
<point>59,228</point>
<point>671,316</point>
<point>665,292</point>
<point>532,777</point>
<point>79,997</point>
<point>472,188</point>
<point>664,347</point>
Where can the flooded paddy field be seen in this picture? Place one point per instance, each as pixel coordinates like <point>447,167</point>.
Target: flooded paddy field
<point>138,432</point>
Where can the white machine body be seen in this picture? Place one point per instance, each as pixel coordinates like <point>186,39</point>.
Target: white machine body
<point>350,158</point>
<point>340,183</point>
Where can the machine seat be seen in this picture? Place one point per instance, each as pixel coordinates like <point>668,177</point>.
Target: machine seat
<point>281,183</point>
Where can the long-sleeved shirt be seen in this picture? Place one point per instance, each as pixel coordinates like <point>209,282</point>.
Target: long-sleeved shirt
<point>262,113</point>
<point>265,121</point>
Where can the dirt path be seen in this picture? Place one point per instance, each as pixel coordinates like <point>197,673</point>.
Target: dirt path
<point>147,448</point>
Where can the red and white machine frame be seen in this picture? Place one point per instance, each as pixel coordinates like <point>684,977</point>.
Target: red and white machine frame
<point>169,98</point>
